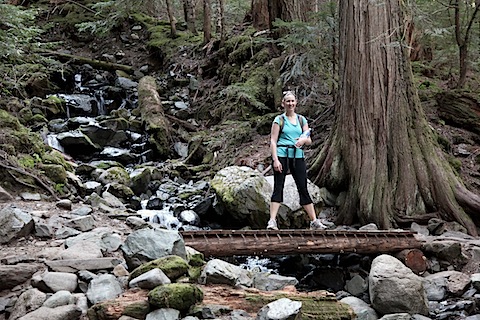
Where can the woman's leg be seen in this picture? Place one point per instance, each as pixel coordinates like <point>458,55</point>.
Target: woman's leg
<point>277,195</point>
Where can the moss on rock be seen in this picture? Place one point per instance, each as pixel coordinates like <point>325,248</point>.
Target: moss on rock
<point>180,296</point>
<point>173,266</point>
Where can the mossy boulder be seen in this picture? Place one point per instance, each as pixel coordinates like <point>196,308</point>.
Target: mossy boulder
<point>55,172</point>
<point>244,194</point>
<point>180,296</point>
<point>173,266</point>
<point>115,175</point>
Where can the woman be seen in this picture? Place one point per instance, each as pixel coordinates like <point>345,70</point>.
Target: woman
<point>286,141</point>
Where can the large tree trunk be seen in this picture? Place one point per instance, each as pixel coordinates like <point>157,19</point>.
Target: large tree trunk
<point>260,14</point>
<point>382,153</point>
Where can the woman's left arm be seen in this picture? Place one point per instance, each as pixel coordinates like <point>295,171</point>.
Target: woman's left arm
<point>304,140</point>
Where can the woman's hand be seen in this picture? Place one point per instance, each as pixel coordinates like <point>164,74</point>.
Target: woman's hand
<point>301,142</point>
<point>277,165</point>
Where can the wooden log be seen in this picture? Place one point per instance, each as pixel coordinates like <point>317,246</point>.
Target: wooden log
<point>98,64</point>
<point>414,259</point>
<point>264,242</point>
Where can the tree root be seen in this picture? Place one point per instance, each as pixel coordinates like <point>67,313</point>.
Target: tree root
<point>37,179</point>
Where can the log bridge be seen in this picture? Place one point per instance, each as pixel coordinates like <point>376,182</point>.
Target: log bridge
<point>223,243</point>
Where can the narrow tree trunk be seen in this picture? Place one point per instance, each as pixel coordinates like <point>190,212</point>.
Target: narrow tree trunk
<point>221,21</point>
<point>463,41</point>
<point>382,153</point>
<point>171,18</point>
<point>189,9</point>
<point>207,21</point>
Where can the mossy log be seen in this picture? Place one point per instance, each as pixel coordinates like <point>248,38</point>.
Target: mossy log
<point>98,64</point>
<point>132,303</point>
<point>315,305</point>
<point>460,110</point>
<point>156,123</point>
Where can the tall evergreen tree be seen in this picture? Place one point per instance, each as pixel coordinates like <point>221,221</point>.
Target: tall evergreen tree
<point>382,154</point>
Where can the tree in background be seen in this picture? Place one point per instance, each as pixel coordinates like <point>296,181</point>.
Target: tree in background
<point>221,21</point>
<point>381,153</point>
<point>207,23</point>
<point>463,32</point>
<point>171,19</point>
<point>189,15</point>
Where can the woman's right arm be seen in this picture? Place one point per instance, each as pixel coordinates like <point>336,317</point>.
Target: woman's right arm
<point>277,166</point>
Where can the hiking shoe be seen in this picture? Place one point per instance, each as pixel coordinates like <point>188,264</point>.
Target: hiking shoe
<point>272,225</point>
<point>317,225</point>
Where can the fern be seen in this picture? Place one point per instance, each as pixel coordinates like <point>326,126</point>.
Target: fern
<point>17,33</point>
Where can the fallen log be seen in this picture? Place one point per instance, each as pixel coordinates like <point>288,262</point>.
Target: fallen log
<point>220,243</point>
<point>98,64</point>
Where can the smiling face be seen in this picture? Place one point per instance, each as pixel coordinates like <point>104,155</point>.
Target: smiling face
<point>289,102</point>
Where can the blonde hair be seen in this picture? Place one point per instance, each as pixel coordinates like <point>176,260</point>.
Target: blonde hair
<point>288,93</point>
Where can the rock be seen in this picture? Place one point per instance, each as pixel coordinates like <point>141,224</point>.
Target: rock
<point>217,271</point>
<point>59,298</point>
<point>172,266</point>
<point>180,296</point>
<point>68,312</point>
<point>16,274</point>
<point>28,301</point>
<point>14,223</point>
<point>104,287</point>
<point>144,245</point>
<point>390,279</point>
<point>270,282</point>
<point>164,314</point>
<point>244,194</point>
<point>55,281</point>
<point>149,279</point>
<point>362,310</point>
<point>281,309</point>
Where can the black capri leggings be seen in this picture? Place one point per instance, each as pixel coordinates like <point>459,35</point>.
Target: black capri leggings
<point>298,169</point>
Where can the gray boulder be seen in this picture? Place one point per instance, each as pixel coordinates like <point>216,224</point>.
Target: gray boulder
<point>390,279</point>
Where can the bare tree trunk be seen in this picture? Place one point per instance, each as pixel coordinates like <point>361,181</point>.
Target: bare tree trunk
<point>381,153</point>
<point>221,21</point>
<point>207,21</point>
<point>189,10</point>
<point>463,41</point>
<point>171,18</point>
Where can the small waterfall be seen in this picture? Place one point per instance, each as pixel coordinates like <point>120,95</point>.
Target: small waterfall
<point>53,142</point>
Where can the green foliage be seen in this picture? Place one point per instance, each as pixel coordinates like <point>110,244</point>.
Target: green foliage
<point>109,15</point>
<point>59,188</point>
<point>309,47</point>
<point>17,33</point>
